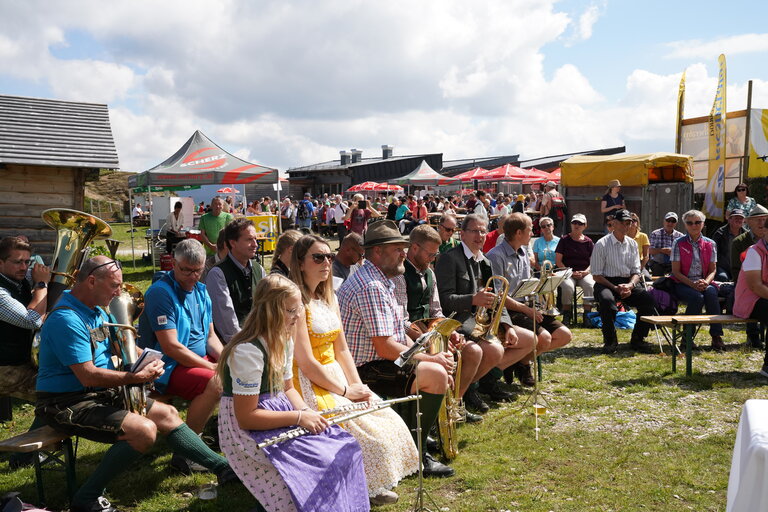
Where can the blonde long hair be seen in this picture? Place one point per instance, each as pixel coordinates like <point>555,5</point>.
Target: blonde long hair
<point>300,251</point>
<point>267,321</point>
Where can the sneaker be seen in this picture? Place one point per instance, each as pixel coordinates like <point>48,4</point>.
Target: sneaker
<point>226,475</point>
<point>474,403</point>
<point>100,504</point>
<point>434,468</point>
<point>764,370</point>
<point>524,373</point>
<point>717,343</point>
<point>385,498</point>
<point>185,466</point>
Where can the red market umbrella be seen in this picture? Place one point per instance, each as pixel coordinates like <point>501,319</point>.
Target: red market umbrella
<point>424,175</point>
<point>228,190</point>
<point>386,187</point>
<point>506,172</point>
<point>472,174</point>
<point>366,185</point>
<point>537,176</point>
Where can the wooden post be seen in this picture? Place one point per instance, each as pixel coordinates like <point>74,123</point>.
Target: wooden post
<point>744,168</point>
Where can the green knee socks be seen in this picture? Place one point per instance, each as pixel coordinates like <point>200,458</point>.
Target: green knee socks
<point>185,442</point>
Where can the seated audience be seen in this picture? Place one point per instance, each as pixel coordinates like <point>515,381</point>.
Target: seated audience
<point>348,257</point>
<point>661,245</point>
<point>643,244</point>
<point>723,237</point>
<point>281,257</point>
<point>574,251</point>
<point>544,246</point>
<point>174,225</point>
<point>694,259</point>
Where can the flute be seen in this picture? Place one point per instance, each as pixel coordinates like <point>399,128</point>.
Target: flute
<point>301,431</point>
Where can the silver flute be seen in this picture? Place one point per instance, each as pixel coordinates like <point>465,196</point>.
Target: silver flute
<point>359,409</point>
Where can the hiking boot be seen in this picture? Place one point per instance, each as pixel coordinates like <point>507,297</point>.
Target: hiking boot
<point>474,403</point>
<point>431,467</point>
<point>717,343</point>
<point>567,318</point>
<point>524,373</point>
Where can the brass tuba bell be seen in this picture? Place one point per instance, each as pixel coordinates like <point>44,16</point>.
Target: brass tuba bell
<point>75,230</point>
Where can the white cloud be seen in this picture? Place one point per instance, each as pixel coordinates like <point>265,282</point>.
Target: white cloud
<point>732,45</point>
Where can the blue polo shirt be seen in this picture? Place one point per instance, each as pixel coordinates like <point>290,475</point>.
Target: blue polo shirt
<point>66,340</point>
<point>168,306</point>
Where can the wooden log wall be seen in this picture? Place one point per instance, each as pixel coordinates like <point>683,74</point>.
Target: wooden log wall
<point>27,190</point>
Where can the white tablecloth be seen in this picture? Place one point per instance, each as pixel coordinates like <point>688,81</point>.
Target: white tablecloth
<point>748,483</point>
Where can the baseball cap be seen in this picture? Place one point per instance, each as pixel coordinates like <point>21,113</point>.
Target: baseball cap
<point>670,215</point>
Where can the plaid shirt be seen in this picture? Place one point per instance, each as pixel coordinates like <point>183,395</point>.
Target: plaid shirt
<point>401,296</point>
<point>661,239</point>
<point>13,311</point>
<point>369,309</point>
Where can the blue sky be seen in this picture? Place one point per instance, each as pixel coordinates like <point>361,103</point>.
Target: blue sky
<point>288,83</point>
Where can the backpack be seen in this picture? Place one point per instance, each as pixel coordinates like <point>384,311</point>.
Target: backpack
<point>557,205</point>
<point>303,211</point>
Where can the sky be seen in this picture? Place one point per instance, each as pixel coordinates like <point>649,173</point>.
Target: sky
<point>288,83</point>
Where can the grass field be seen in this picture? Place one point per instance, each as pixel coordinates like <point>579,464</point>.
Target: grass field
<point>623,433</point>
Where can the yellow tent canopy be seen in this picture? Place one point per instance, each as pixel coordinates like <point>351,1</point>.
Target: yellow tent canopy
<point>630,170</point>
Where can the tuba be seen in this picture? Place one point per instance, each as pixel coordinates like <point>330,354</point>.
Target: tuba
<point>126,309</point>
<point>452,410</point>
<point>74,232</point>
<point>487,319</point>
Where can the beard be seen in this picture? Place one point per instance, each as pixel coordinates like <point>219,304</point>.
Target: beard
<point>393,268</point>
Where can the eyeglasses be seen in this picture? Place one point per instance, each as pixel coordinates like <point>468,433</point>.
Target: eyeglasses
<point>116,263</point>
<point>295,311</point>
<point>481,232</point>
<point>449,230</point>
<point>549,225</point>
<point>189,271</point>
<point>694,222</point>
<point>319,257</point>
<point>26,263</point>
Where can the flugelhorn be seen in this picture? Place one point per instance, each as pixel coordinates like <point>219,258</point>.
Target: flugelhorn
<point>126,309</point>
<point>75,230</point>
<point>550,309</point>
<point>487,319</point>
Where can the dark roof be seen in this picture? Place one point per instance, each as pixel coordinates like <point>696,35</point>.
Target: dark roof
<point>56,133</point>
<point>336,164</point>
<point>454,167</point>
<point>551,162</point>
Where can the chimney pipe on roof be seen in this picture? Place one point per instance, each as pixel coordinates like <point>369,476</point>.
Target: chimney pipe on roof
<point>386,151</point>
<point>345,159</point>
<point>357,155</point>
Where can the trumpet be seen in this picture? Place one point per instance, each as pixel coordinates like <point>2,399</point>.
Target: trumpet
<point>487,319</point>
<point>362,410</point>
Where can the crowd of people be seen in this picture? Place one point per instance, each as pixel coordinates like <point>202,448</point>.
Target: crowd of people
<point>273,349</point>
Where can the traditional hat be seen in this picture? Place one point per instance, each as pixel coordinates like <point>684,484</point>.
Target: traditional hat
<point>614,183</point>
<point>383,232</point>
<point>758,211</point>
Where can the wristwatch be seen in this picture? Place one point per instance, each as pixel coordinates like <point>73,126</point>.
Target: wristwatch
<point>41,284</point>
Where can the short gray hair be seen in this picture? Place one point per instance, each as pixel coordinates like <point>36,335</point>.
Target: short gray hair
<point>694,213</point>
<point>473,217</point>
<point>190,251</point>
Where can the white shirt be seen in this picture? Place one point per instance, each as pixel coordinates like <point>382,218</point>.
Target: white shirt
<point>339,213</point>
<point>611,258</point>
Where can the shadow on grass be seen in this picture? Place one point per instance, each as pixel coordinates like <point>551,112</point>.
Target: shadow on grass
<point>698,381</point>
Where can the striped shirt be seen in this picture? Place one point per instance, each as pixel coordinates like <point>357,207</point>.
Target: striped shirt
<point>369,309</point>
<point>611,258</point>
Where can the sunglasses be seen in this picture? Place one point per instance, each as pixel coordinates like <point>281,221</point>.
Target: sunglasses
<point>693,222</point>
<point>741,190</point>
<point>116,263</point>
<point>449,230</point>
<point>671,221</point>
<point>577,223</point>
<point>319,257</point>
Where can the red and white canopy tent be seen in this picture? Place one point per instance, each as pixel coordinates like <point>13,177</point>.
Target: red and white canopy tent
<point>373,186</point>
<point>426,176</point>
<point>472,174</point>
<point>200,161</point>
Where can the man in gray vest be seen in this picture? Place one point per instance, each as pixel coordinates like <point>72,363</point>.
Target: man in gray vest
<point>231,282</point>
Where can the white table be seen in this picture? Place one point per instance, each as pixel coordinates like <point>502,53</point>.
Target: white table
<point>748,483</point>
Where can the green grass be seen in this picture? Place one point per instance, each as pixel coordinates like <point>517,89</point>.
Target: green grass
<point>623,433</point>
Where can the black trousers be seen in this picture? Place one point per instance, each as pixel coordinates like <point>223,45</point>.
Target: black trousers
<point>607,299</point>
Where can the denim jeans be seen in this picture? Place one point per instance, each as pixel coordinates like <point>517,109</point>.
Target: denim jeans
<point>696,300</point>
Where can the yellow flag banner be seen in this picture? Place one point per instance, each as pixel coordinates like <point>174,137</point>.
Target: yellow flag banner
<point>680,113</point>
<point>714,193</point>
<point>758,143</point>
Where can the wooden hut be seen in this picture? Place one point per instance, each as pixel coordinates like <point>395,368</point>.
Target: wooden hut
<point>48,150</point>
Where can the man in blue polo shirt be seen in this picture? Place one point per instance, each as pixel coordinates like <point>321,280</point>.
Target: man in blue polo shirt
<point>178,322</point>
<point>78,389</point>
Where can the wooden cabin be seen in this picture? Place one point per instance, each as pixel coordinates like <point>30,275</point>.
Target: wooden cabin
<point>48,150</point>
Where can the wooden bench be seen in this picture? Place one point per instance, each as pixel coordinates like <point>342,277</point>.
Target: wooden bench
<point>684,328</point>
<point>57,453</point>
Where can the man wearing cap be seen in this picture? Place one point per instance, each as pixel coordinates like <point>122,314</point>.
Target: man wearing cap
<point>723,238</point>
<point>756,222</point>
<point>374,327</point>
<point>615,265</point>
<point>661,245</point>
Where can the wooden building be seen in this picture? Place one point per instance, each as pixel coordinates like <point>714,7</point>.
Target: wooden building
<point>48,150</point>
